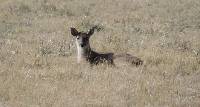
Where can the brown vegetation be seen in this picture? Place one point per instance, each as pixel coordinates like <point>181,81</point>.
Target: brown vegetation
<point>38,62</point>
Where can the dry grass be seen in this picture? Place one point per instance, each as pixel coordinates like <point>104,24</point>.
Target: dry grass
<point>37,55</point>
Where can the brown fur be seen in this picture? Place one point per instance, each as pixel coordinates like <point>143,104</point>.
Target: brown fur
<point>86,53</point>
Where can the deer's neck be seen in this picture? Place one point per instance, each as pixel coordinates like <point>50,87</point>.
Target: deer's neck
<point>83,53</point>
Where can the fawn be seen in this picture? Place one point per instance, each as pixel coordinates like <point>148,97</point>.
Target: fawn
<point>85,53</point>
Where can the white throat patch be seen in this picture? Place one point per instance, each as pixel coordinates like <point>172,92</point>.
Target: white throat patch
<point>79,52</point>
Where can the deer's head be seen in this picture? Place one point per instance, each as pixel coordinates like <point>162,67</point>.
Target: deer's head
<point>82,38</point>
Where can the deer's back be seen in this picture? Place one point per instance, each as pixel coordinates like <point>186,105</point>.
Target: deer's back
<point>96,58</point>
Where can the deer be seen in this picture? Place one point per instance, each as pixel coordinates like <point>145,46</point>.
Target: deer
<point>85,53</point>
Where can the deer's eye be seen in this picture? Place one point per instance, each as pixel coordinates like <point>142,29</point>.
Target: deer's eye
<point>78,37</point>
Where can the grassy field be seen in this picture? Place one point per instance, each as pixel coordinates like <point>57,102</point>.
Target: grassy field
<point>38,55</point>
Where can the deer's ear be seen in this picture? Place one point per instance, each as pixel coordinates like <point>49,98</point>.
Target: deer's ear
<point>91,31</point>
<point>74,32</point>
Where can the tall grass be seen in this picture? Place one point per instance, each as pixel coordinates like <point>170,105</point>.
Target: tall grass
<point>38,56</point>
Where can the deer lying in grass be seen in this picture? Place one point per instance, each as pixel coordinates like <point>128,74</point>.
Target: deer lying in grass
<point>85,53</point>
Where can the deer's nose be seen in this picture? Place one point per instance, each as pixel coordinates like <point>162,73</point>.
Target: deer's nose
<point>82,45</point>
